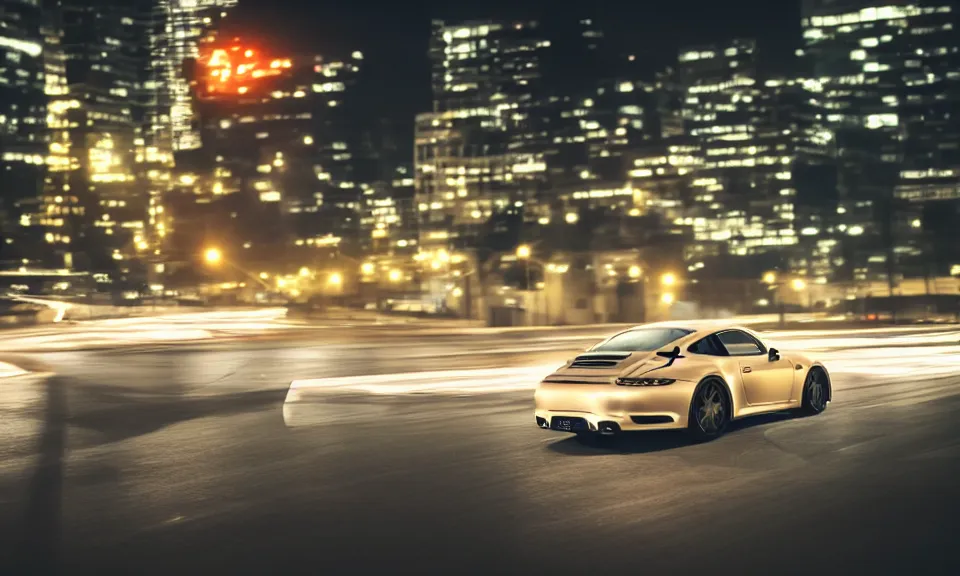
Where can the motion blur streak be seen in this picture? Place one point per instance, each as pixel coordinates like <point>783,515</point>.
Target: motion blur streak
<point>9,370</point>
<point>447,381</point>
<point>823,342</point>
<point>118,332</point>
<point>930,354</point>
<point>925,361</point>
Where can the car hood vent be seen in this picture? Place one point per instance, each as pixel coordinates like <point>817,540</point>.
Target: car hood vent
<point>599,359</point>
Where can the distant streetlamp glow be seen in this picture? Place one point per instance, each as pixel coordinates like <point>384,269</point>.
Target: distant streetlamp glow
<point>667,298</point>
<point>572,217</point>
<point>213,256</point>
<point>523,252</point>
<point>395,275</point>
<point>668,279</point>
<point>770,278</point>
<point>304,272</point>
<point>798,284</point>
<point>634,272</point>
<point>367,268</point>
<point>335,279</point>
<point>264,275</point>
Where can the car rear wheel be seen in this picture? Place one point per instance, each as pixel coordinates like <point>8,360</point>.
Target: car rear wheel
<point>815,392</point>
<point>710,410</point>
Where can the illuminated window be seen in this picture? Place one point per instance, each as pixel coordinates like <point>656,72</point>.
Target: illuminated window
<point>875,121</point>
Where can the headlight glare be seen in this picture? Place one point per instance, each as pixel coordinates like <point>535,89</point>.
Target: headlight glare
<point>644,381</point>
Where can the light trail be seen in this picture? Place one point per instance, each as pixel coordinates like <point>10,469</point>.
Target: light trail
<point>9,370</point>
<point>930,355</point>
<point>136,331</point>
<point>444,381</point>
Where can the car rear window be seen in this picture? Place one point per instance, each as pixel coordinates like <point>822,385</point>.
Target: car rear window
<point>642,340</point>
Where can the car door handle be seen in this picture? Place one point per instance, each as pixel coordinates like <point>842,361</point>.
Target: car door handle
<point>747,370</point>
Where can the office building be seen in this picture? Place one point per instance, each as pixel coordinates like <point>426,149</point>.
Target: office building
<point>23,138</point>
<point>176,42</point>
<point>473,153</point>
<point>277,131</point>
<point>890,76</point>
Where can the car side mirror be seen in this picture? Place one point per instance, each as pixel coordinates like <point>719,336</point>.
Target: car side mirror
<point>773,355</point>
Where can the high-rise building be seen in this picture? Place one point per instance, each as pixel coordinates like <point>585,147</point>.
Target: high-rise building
<point>176,41</point>
<point>104,47</point>
<point>23,132</point>
<point>473,156</point>
<point>739,198</point>
<point>739,155</point>
<point>109,87</point>
<point>277,131</point>
<point>890,77</point>
<point>389,219</point>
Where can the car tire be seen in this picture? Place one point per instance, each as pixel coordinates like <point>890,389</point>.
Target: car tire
<point>816,392</point>
<point>710,410</point>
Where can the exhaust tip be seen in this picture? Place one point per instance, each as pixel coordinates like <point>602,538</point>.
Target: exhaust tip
<point>608,428</point>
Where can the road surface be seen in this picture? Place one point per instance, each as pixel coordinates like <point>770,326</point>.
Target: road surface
<point>415,451</point>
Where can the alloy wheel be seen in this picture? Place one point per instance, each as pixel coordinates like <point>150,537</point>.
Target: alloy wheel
<point>711,410</point>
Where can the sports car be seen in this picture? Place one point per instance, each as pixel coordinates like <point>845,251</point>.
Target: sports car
<point>678,375</point>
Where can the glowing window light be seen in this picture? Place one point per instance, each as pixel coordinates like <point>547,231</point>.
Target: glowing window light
<point>29,48</point>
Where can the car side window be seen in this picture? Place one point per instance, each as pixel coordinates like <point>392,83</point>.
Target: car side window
<point>709,346</point>
<point>738,343</point>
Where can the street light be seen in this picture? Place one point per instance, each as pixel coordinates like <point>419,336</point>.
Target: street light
<point>667,298</point>
<point>668,279</point>
<point>798,284</point>
<point>770,278</point>
<point>523,253</point>
<point>395,275</point>
<point>335,279</point>
<point>367,268</point>
<point>213,256</point>
<point>634,272</point>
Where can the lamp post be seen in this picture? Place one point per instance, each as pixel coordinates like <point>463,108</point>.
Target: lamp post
<point>776,283</point>
<point>771,280</point>
<point>559,270</point>
<point>525,253</point>
<point>214,257</point>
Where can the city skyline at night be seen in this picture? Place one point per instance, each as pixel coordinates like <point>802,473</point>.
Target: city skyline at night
<point>819,143</point>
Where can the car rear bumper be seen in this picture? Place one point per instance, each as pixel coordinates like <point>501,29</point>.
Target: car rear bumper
<point>621,407</point>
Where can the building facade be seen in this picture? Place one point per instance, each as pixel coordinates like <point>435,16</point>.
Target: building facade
<point>890,86</point>
<point>23,131</point>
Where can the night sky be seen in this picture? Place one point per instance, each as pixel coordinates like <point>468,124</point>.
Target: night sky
<point>393,34</point>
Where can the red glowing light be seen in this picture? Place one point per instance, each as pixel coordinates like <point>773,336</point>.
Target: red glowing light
<point>227,67</point>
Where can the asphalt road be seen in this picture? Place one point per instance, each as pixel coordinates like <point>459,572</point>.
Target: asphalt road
<point>157,459</point>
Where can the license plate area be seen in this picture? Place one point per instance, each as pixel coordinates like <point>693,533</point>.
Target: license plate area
<point>569,424</point>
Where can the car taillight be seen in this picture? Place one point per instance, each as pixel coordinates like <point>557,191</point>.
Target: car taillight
<point>644,381</point>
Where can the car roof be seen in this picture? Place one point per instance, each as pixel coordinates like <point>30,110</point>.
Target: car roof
<point>697,328</point>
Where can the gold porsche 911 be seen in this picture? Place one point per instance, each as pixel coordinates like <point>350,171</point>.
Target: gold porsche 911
<point>665,376</point>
